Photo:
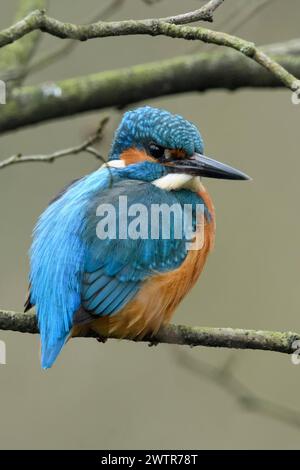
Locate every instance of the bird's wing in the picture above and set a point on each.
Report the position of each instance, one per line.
(71, 267)
(115, 268)
(57, 261)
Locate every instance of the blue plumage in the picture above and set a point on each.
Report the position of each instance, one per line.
(113, 263)
(72, 267)
(57, 263)
(147, 123)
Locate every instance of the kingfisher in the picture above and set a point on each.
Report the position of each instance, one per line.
(127, 287)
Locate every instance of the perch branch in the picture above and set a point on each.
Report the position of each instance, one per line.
(84, 147)
(121, 87)
(182, 335)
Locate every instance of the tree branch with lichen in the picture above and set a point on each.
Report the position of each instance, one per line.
(198, 72)
(173, 26)
(38, 20)
(276, 341)
(125, 86)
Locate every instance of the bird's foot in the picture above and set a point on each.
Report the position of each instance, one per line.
(101, 339)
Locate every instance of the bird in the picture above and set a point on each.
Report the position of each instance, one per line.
(128, 287)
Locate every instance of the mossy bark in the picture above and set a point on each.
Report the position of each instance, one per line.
(182, 335)
(121, 87)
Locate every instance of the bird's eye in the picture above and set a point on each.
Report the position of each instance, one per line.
(156, 151)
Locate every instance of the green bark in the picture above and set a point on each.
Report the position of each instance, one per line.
(232, 338)
(198, 72)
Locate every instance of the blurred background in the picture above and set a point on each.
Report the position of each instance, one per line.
(122, 395)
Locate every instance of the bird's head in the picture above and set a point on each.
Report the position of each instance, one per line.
(150, 135)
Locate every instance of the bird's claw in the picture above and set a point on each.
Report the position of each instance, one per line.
(101, 339)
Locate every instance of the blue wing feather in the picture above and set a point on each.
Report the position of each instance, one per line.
(71, 266)
(115, 268)
(57, 262)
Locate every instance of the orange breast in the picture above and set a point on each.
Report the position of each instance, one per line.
(156, 301)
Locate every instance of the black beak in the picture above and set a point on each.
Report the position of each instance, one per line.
(199, 165)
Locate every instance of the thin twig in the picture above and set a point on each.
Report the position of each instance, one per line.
(84, 147)
(245, 47)
(38, 20)
(246, 17)
(246, 398)
(95, 152)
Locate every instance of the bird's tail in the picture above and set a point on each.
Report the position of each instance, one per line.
(50, 350)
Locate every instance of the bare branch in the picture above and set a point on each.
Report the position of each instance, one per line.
(247, 15)
(204, 13)
(245, 47)
(170, 26)
(84, 147)
(181, 334)
(38, 20)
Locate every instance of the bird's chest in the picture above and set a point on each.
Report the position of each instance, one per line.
(156, 301)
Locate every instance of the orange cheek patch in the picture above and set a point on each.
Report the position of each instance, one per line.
(134, 155)
(177, 153)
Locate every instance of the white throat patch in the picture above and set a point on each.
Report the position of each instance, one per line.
(170, 182)
(114, 164)
(174, 181)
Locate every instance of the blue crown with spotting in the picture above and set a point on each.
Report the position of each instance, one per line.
(147, 124)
